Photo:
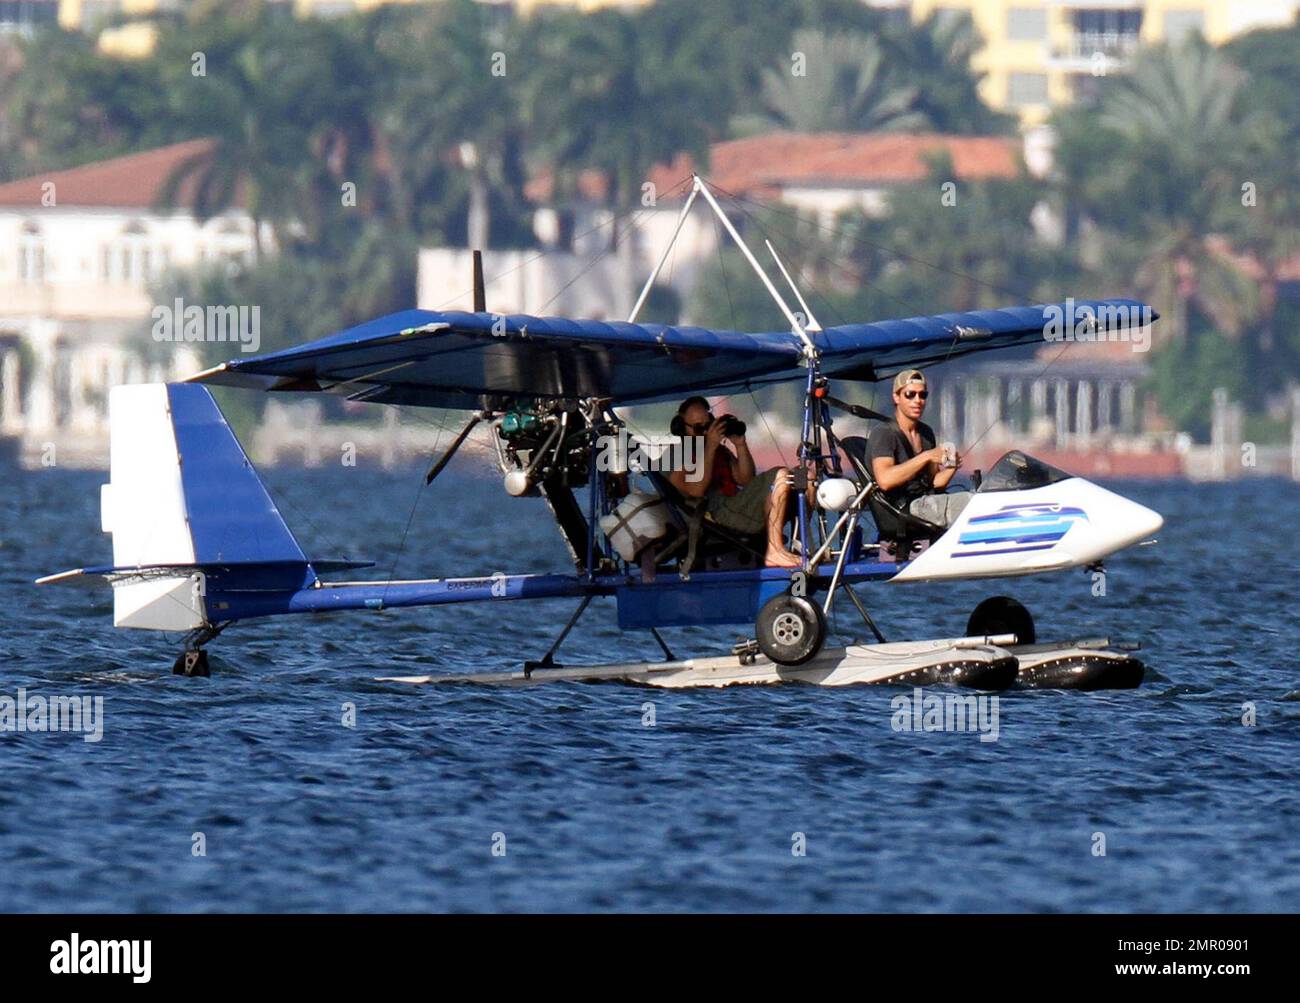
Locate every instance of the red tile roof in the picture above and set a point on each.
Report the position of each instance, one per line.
(1288, 270)
(131, 182)
(763, 166)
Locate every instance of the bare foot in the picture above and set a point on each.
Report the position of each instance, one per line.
(781, 558)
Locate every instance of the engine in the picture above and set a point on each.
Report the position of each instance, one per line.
(542, 441)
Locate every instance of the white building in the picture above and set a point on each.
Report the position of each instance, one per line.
(80, 252)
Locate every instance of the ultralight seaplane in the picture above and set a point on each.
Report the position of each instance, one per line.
(198, 543)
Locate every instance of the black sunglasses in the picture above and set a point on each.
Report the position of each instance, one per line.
(923, 394)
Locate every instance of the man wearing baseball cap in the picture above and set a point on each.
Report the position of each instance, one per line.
(912, 471)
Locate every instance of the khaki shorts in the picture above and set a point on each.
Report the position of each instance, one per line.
(746, 510)
(940, 509)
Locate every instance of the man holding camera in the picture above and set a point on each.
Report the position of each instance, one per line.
(738, 498)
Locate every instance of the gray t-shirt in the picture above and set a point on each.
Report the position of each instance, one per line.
(889, 440)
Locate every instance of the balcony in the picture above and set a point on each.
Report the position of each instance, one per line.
(1078, 54)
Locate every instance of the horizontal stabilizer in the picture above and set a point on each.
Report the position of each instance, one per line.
(247, 571)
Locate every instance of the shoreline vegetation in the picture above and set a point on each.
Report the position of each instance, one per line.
(1178, 183)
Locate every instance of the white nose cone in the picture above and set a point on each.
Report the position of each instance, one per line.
(1146, 522)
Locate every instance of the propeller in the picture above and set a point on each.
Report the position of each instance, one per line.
(480, 293)
(436, 469)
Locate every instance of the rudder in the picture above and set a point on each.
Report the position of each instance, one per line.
(182, 494)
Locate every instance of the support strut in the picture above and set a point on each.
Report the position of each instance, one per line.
(548, 660)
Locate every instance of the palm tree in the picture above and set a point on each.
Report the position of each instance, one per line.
(1267, 228)
(447, 121)
(253, 101)
(936, 56)
(1154, 168)
(62, 103)
(604, 94)
(846, 87)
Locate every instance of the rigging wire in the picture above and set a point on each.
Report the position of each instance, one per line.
(1037, 376)
(825, 258)
(845, 271)
(401, 547)
(626, 234)
(726, 285)
(1018, 294)
(763, 418)
(460, 297)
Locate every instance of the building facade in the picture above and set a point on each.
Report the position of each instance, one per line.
(82, 253)
(1041, 53)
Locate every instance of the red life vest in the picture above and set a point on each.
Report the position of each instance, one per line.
(723, 480)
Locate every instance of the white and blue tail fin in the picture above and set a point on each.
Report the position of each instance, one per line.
(184, 503)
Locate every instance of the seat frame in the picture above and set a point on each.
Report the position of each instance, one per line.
(690, 517)
(893, 524)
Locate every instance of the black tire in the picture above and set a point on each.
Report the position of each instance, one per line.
(1002, 615)
(791, 629)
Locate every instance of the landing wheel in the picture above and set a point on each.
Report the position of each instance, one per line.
(791, 629)
(192, 662)
(1002, 615)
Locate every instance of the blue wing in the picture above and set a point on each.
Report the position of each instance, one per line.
(450, 359)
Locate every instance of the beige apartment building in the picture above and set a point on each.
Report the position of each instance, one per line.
(1040, 53)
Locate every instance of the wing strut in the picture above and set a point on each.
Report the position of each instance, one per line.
(809, 349)
(798, 325)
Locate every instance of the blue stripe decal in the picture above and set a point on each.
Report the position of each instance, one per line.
(1008, 550)
(1026, 535)
(232, 518)
(1032, 519)
(1032, 513)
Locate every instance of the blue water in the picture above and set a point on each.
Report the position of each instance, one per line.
(600, 812)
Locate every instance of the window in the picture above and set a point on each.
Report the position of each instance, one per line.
(1113, 33)
(1108, 22)
(1026, 24)
(1179, 23)
(31, 256)
(25, 16)
(131, 259)
(1026, 89)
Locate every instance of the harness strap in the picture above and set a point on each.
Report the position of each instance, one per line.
(693, 536)
(623, 521)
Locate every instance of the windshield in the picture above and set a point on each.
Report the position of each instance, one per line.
(1016, 472)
